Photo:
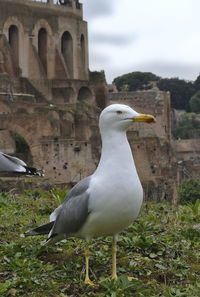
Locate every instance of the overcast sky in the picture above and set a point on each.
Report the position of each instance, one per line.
(159, 36)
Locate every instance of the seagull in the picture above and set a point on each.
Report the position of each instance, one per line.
(10, 164)
(109, 200)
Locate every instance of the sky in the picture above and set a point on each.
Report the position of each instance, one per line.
(158, 36)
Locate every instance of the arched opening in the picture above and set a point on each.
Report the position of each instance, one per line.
(83, 51)
(13, 38)
(63, 95)
(84, 94)
(14, 144)
(42, 47)
(22, 149)
(67, 51)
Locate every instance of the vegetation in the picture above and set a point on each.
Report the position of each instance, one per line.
(188, 127)
(197, 83)
(189, 191)
(161, 251)
(181, 90)
(195, 102)
(185, 95)
(134, 81)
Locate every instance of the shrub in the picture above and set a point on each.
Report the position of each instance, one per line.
(195, 102)
(188, 127)
(189, 191)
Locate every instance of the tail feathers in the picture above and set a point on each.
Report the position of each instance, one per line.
(33, 171)
(27, 171)
(41, 230)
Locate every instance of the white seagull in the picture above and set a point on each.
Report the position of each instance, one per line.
(10, 164)
(110, 199)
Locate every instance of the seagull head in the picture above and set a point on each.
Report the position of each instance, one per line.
(120, 117)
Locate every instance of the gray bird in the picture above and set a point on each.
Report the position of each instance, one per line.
(10, 164)
(110, 199)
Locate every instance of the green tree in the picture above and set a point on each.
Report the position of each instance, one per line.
(180, 90)
(188, 127)
(189, 191)
(134, 80)
(195, 102)
(197, 83)
(124, 88)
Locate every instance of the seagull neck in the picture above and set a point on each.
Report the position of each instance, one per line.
(115, 147)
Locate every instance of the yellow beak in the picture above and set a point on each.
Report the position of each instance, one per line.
(147, 118)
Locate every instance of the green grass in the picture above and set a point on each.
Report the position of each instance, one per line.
(161, 250)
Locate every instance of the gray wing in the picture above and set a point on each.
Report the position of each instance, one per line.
(74, 210)
(8, 163)
(55, 213)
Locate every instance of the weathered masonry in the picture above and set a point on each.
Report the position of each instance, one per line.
(48, 96)
(48, 44)
(152, 144)
(50, 101)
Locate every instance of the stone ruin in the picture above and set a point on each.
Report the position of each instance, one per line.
(47, 93)
(50, 99)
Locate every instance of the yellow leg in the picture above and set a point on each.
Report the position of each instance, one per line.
(114, 262)
(87, 279)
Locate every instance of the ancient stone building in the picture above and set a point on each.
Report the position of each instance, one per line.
(51, 101)
(187, 152)
(48, 96)
(151, 144)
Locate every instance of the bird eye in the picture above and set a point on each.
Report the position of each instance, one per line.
(119, 112)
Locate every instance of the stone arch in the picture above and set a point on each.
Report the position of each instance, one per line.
(42, 24)
(14, 32)
(42, 47)
(67, 51)
(20, 133)
(84, 94)
(23, 150)
(12, 21)
(19, 130)
(13, 39)
(14, 124)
